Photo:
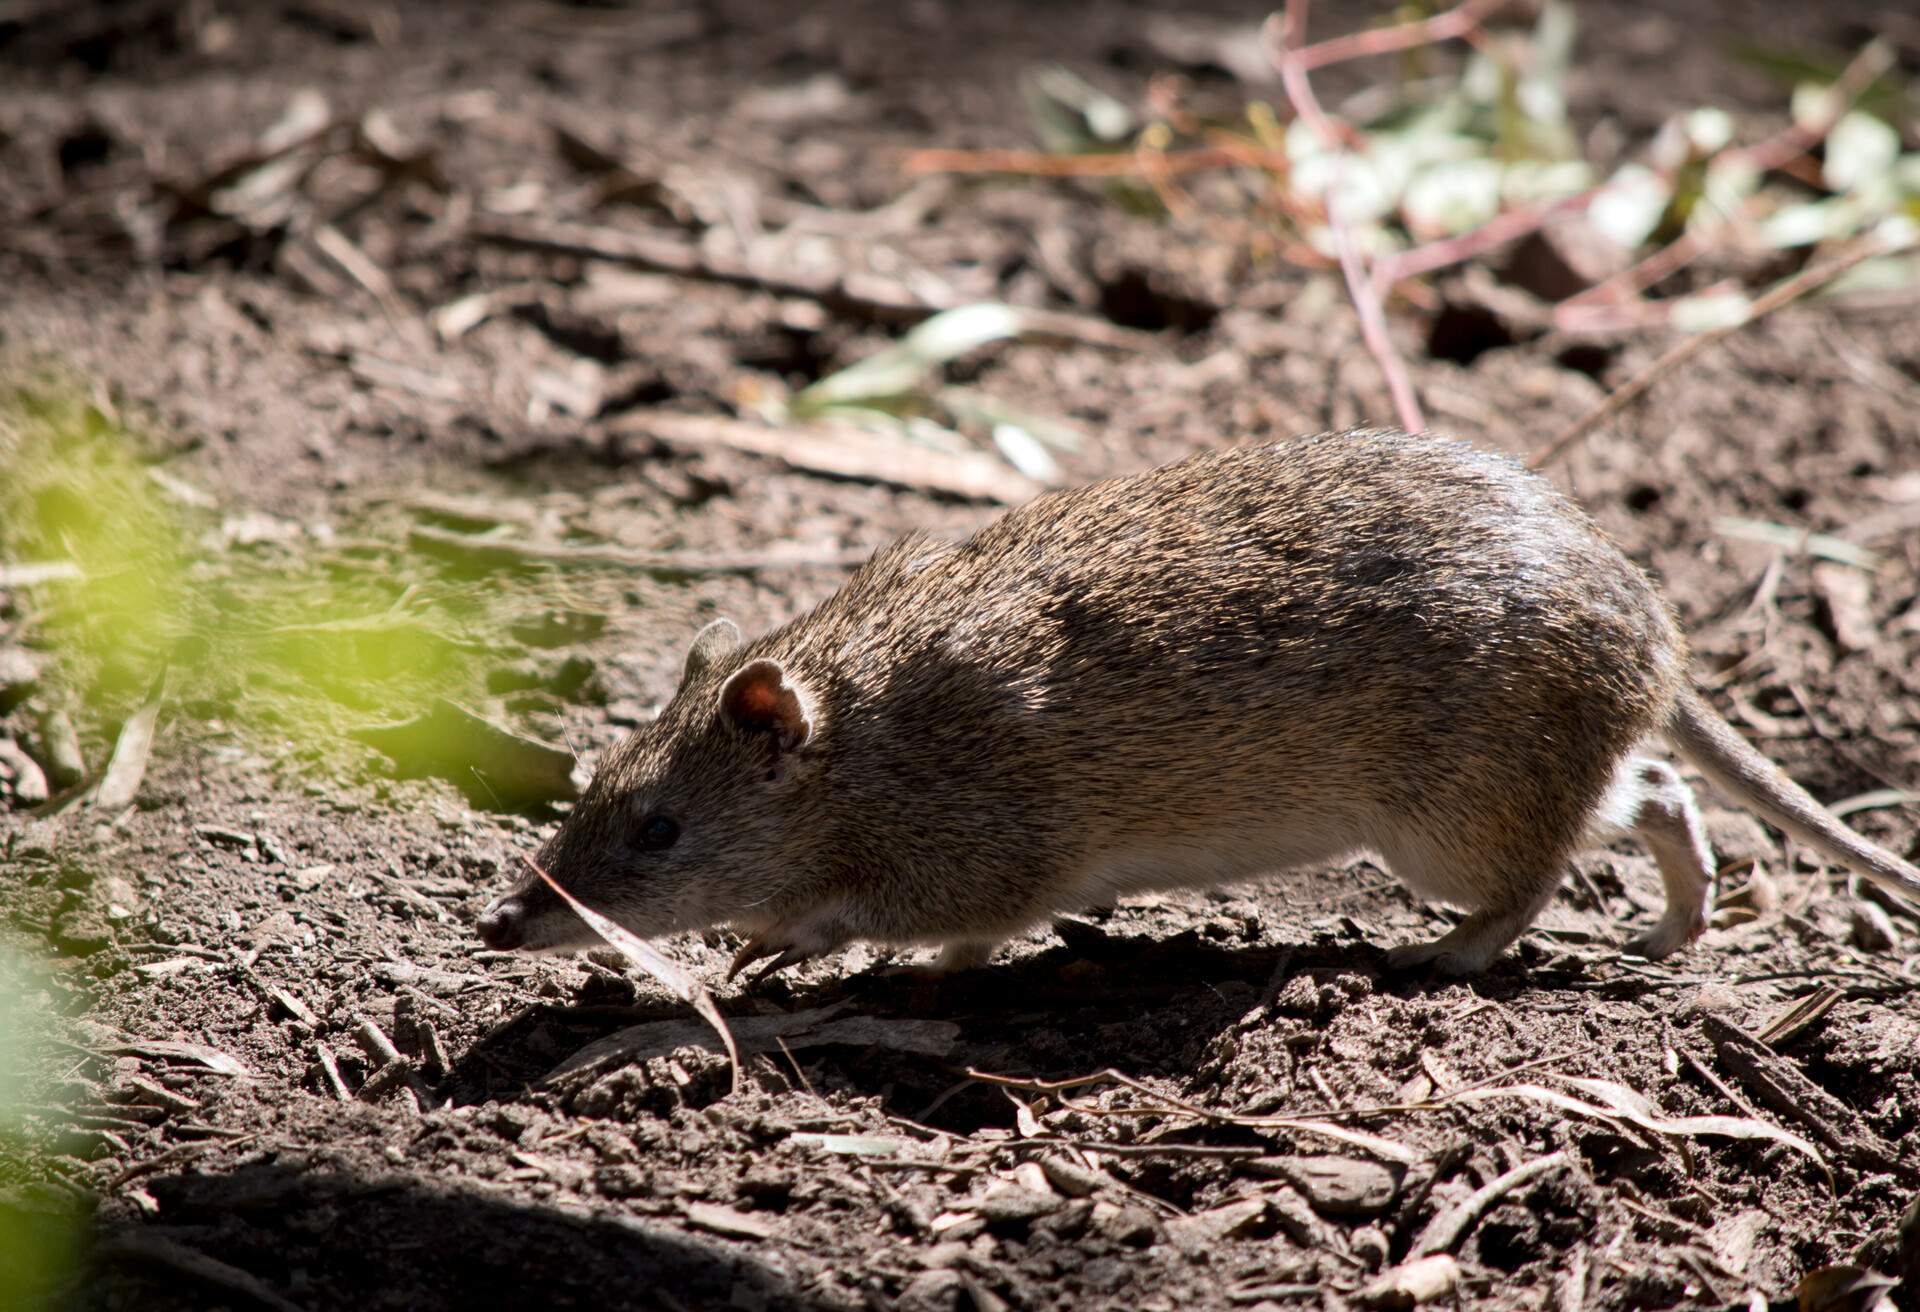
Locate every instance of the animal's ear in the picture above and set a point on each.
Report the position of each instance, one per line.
(711, 644)
(759, 699)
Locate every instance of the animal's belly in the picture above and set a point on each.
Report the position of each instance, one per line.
(1149, 864)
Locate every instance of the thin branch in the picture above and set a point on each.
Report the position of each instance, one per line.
(1491, 235)
(1456, 22)
(1861, 72)
(1048, 164)
(1361, 288)
(1808, 279)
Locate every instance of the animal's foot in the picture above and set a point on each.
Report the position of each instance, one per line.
(758, 949)
(1435, 957)
(1667, 937)
(958, 956)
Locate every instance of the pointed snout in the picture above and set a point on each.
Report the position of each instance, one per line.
(503, 925)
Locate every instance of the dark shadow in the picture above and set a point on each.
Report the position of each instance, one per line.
(334, 1239)
(1070, 1010)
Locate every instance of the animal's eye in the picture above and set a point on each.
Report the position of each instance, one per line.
(657, 831)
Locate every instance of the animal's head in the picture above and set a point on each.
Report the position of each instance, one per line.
(701, 817)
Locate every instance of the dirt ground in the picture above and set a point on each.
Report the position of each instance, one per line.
(210, 1086)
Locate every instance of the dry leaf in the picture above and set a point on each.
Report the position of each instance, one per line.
(655, 963)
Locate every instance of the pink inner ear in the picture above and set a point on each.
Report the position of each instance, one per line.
(758, 704)
(758, 698)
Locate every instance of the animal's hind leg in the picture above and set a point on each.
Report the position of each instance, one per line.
(1650, 800)
(1469, 947)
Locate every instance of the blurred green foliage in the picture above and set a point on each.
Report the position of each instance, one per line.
(41, 1226)
(291, 639)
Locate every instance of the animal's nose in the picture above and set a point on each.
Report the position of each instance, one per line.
(503, 926)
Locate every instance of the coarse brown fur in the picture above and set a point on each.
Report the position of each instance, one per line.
(1256, 659)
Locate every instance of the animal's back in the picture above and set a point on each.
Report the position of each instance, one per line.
(1254, 658)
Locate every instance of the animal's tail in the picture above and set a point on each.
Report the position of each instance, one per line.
(1732, 763)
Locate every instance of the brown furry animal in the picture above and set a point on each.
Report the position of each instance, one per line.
(1252, 660)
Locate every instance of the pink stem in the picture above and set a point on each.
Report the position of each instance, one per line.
(1360, 285)
(1455, 22)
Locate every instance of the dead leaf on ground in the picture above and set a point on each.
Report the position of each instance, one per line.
(494, 766)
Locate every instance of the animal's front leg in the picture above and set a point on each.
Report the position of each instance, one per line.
(790, 943)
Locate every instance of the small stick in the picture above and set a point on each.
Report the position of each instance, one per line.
(331, 1070)
(1808, 279)
(1362, 289)
(1459, 21)
(372, 1038)
(1046, 164)
(1451, 1226)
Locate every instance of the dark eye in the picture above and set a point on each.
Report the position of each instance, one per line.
(657, 831)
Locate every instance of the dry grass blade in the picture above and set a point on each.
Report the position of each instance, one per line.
(654, 962)
(1619, 1103)
(1789, 1025)
(128, 765)
(1798, 541)
(1874, 801)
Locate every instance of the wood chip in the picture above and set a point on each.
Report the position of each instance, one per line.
(728, 1221)
(1779, 1084)
(1417, 1282)
(193, 1054)
(22, 774)
(60, 745)
(1336, 1186)
(330, 1072)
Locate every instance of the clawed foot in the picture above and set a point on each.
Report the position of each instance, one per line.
(1666, 938)
(1434, 957)
(757, 948)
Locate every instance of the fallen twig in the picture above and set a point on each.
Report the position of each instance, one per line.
(1285, 38)
(1780, 1085)
(1447, 1229)
(330, 1072)
(1125, 164)
(1459, 21)
(685, 259)
(1808, 279)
